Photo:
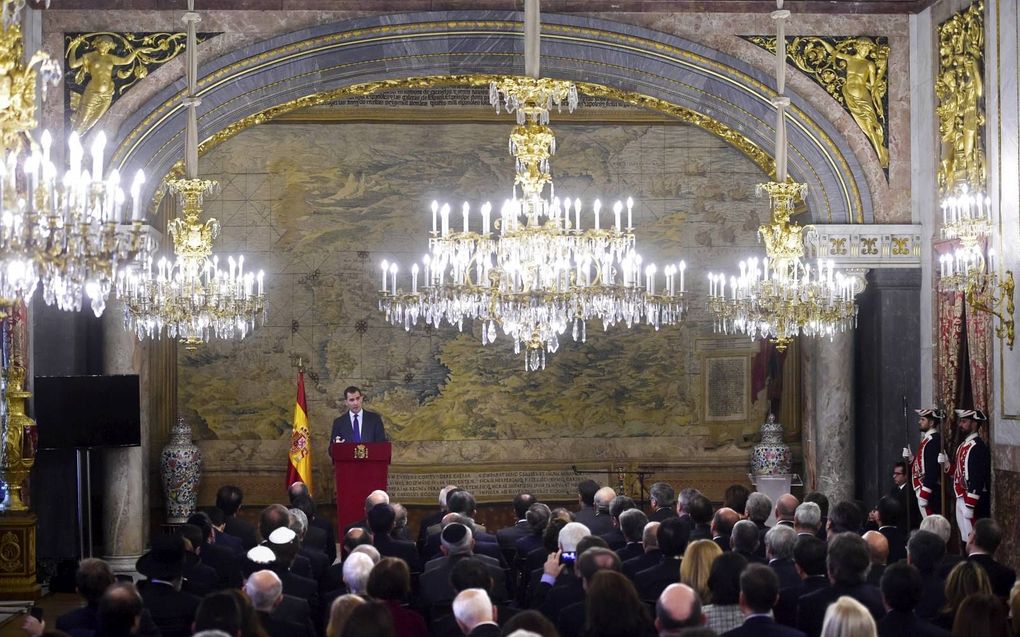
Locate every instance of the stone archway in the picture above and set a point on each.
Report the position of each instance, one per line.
(643, 67)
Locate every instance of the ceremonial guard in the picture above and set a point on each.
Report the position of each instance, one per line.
(924, 471)
(971, 472)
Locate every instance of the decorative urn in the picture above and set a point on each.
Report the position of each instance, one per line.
(771, 456)
(181, 468)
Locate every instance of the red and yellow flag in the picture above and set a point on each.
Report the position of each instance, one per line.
(299, 466)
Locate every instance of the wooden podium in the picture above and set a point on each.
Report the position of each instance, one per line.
(359, 469)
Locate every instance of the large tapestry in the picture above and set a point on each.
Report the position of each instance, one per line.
(320, 205)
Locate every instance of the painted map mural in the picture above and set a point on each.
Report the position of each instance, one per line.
(320, 205)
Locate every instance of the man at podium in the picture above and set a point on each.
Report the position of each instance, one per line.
(357, 425)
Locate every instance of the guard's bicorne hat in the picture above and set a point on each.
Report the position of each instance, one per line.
(934, 413)
(973, 414)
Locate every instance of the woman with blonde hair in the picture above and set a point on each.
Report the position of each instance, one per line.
(965, 578)
(340, 611)
(696, 567)
(848, 618)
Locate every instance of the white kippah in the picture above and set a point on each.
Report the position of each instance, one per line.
(282, 535)
(262, 555)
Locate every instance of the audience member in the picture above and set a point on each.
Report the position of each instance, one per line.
(614, 537)
(807, 519)
(759, 507)
(602, 523)
(228, 500)
(390, 583)
(560, 574)
(663, 501)
(683, 507)
(586, 499)
(759, 589)
(672, 538)
(537, 516)
(700, 509)
(571, 620)
(381, 519)
(847, 565)
(780, 541)
(965, 578)
(530, 622)
(735, 497)
(374, 498)
(224, 560)
(845, 517)
(696, 566)
(171, 609)
(925, 551)
(120, 610)
(475, 614)
(981, 615)
(878, 552)
(265, 590)
(890, 513)
(722, 526)
(744, 540)
(651, 556)
(507, 537)
(724, 612)
(371, 619)
(823, 508)
(340, 611)
(677, 609)
(981, 546)
(632, 525)
(901, 592)
(614, 608)
(809, 556)
(356, 571)
(940, 526)
(786, 507)
(847, 617)
(218, 611)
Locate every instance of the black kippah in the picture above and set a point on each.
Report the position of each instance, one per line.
(454, 533)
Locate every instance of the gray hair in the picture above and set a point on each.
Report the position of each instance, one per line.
(368, 550)
(808, 514)
(472, 607)
(759, 507)
(571, 534)
(400, 511)
(744, 536)
(938, 525)
(649, 537)
(298, 522)
(356, 570)
(632, 524)
(263, 588)
(663, 494)
(603, 497)
(443, 493)
(780, 541)
(686, 495)
(461, 546)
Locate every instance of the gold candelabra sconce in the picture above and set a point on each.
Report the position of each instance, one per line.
(998, 302)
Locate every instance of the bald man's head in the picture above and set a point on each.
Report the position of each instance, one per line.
(786, 507)
(878, 548)
(649, 539)
(677, 608)
(723, 521)
(603, 497)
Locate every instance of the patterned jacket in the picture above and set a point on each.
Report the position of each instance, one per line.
(972, 471)
(924, 472)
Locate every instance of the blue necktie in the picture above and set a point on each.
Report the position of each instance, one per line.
(357, 431)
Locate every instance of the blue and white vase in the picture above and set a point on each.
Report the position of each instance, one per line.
(772, 456)
(180, 465)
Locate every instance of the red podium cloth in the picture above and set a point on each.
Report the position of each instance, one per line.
(359, 469)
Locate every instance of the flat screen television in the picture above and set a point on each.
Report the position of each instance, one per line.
(80, 412)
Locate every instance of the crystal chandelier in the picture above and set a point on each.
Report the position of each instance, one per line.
(534, 269)
(192, 297)
(966, 218)
(782, 295)
(67, 232)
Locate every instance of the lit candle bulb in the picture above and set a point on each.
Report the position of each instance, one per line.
(682, 268)
(598, 207)
(486, 211)
(414, 279)
(435, 211)
(393, 272)
(630, 218)
(577, 214)
(466, 208)
(385, 269)
(617, 209)
(136, 195)
(260, 278)
(98, 145)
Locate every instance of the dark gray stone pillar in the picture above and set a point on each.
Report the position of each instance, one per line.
(887, 371)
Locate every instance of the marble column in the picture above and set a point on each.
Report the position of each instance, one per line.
(828, 383)
(126, 473)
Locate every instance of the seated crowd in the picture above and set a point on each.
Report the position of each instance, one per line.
(605, 570)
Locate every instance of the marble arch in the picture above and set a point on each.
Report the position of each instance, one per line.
(260, 81)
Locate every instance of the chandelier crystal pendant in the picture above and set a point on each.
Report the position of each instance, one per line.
(542, 264)
(67, 232)
(782, 295)
(192, 297)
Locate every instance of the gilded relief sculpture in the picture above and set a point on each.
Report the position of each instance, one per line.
(960, 91)
(853, 71)
(103, 66)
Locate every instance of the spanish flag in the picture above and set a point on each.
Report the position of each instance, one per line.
(299, 466)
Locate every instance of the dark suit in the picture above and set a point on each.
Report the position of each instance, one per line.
(661, 514)
(585, 515)
(786, 608)
(317, 559)
(551, 601)
(753, 558)
(330, 539)
(85, 620)
(1002, 577)
(302, 588)
(635, 565)
(507, 538)
(172, 611)
(903, 624)
(652, 581)
(600, 524)
(615, 539)
(242, 530)
(370, 423)
(700, 532)
(897, 539)
(811, 609)
(786, 571)
(762, 530)
(630, 550)
(435, 586)
(527, 544)
(276, 627)
(485, 630)
(225, 562)
(933, 596)
(723, 541)
(199, 579)
(911, 517)
(571, 621)
(388, 547)
(762, 626)
(297, 611)
(228, 541)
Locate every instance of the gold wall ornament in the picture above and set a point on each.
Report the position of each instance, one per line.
(19, 437)
(17, 87)
(103, 66)
(959, 88)
(981, 295)
(852, 69)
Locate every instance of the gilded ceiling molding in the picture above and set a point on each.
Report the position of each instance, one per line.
(646, 68)
(100, 67)
(851, 69)
(959, 89)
